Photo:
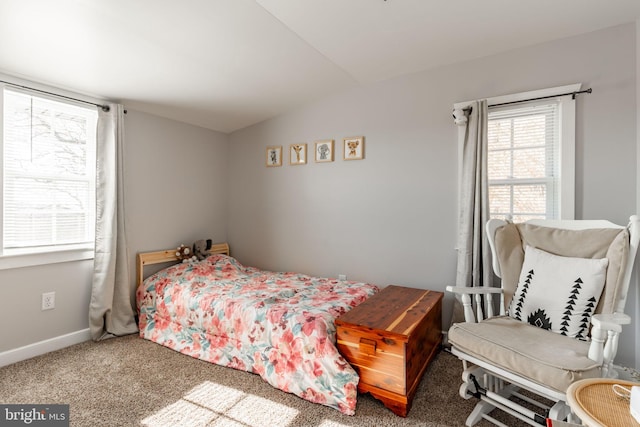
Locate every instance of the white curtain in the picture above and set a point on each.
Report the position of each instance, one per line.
(111, 312)
(474, 262)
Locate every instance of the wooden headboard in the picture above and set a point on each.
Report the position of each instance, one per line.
(169, 255)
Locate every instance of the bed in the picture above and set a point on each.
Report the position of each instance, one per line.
(277, 325)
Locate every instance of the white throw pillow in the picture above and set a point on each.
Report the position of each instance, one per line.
(558, 293)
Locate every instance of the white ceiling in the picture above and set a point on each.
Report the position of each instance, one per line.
(227, 64)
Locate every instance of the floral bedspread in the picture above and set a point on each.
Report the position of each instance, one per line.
(277, 325)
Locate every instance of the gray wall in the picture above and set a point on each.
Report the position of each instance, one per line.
(21, 320)
(177, 183)
(176, 189)
(391, 218)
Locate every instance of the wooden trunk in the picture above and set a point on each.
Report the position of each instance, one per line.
(389, 340)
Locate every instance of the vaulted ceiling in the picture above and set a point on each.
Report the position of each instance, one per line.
(227, 64)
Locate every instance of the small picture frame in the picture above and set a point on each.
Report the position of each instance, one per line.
(274, 156)
(298, 154)
(353, 148)
(324, 151)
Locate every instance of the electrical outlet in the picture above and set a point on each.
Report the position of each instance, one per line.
(342, 277)
(48, 301)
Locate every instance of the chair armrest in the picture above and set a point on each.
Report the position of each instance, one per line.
(604, 338)
(610, 322)
(479, 291)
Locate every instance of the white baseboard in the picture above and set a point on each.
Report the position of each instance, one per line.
(36, 349)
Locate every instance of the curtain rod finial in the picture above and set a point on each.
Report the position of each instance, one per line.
(460, 116)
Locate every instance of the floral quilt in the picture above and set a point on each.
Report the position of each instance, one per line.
(277, 325)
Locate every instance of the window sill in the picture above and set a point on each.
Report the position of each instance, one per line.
(17, 260)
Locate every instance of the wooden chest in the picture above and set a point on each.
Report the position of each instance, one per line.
(389, 340)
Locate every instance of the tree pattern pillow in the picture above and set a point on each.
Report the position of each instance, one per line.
(558, 293)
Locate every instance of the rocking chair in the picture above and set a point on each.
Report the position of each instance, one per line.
(564, 287)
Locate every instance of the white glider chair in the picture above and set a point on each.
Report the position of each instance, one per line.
(561, 311)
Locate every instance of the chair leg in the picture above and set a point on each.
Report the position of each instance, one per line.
(468, 389)
(560, 411)
(490, 401)
(491, 396)
(482, 408)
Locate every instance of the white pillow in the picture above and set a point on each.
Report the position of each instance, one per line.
(558, 293)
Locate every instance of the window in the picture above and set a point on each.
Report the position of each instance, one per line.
(522, 171)
(48, 174)
(531, 159)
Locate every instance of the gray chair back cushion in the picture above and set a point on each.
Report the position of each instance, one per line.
(511, 239)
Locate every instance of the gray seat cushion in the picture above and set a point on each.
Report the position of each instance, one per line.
(542, 356)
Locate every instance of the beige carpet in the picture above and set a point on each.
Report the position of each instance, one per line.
(129, 381)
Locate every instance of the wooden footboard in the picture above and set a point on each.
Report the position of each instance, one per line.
(166, 256)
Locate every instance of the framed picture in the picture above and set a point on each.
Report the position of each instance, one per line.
(353, 148)
(324, 151)
(298, 154)
(274, 156)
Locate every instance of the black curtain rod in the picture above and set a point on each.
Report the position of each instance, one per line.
(104, 108)
(573, 96)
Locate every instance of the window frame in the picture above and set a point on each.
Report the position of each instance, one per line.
(27, 257)
(567, 131)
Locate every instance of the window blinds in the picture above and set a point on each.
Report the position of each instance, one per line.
(48, 172)
(523, 158)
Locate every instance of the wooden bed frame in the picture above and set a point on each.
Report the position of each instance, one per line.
(166, 256)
